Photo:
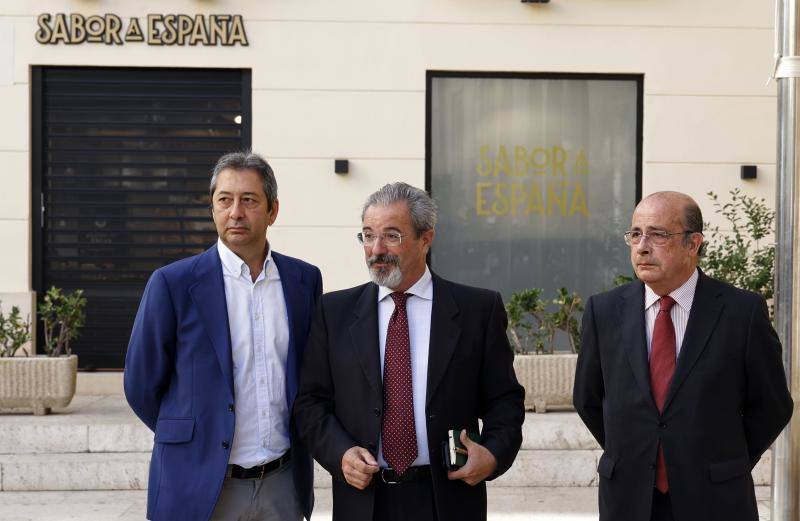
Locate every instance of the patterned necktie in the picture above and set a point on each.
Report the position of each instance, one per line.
(398, 433)
(662, 367)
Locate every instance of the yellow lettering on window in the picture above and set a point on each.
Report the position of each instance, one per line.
(534, 200)
(500, 206)
(480, 200)
(578, 203)
(501, 162)
(556, 196)
(484, 167)
(581, 164)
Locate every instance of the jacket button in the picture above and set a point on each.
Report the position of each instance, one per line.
(226, 445)
(662, 425)
(652, 466)
(431, 416)
(377, 411)
(231, 408)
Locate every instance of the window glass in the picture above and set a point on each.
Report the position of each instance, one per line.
(535, 179)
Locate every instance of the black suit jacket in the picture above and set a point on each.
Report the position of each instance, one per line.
(727, 402)
(470, 376)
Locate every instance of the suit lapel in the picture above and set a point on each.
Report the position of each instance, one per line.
(291, 283)
(631, 316)
(208, 295)
(445, 332)
(364, 334)
(706, 308)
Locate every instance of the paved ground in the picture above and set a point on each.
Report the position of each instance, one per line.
(505, 504)
(108, 409)
(90, 420)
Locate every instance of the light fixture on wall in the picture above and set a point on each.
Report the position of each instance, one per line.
(341, 166)
(748, 171)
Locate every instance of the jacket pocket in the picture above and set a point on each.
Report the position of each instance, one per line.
(174, 430)
(730, 469)
(606, 466)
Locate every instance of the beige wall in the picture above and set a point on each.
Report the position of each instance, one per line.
(346, 79)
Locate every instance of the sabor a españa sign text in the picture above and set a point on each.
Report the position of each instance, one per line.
(155, 29)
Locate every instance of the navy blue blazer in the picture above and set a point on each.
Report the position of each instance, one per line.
(179, 380)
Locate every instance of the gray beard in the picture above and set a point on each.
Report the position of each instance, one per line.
(390, 278)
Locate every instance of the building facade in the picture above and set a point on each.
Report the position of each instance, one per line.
(111, 127)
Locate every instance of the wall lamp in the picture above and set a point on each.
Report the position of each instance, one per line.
(748, 172)
(341, 166)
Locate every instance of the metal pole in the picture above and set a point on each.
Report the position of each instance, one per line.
(786, 452)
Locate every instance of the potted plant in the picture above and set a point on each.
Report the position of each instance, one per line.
(14, 333)
(548, 375)
(46, 381)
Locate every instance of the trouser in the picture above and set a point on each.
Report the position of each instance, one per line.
(408, 501)
(272, 498)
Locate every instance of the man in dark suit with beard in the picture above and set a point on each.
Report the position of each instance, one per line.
(393, 364)
(679, 379)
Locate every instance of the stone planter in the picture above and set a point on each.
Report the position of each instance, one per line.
(548, 380)
(37, 382)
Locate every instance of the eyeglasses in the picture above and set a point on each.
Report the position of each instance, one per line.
(634, 237)
(388, 238)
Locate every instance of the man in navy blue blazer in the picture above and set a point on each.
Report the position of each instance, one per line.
(213, 363)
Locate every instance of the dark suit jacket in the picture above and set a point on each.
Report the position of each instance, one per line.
(470, 376)
(727, 402)
(179, 380)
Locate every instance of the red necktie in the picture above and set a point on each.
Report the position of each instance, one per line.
(662, 366)
(398, 434)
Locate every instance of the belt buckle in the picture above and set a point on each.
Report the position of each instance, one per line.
(383, 478)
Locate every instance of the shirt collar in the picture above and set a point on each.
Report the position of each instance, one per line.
(423, 288)
(683, 296)
(233, 265)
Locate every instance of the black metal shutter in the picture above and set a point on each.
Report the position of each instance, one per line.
(121, 164)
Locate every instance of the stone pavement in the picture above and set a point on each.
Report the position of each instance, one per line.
(505, 504)
(98, 444)
(89, 462)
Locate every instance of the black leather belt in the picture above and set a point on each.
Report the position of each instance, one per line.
(258, 472)
(390, 477)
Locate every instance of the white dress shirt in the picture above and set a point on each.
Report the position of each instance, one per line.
(418, 308)
(260, 343)
(683, 297)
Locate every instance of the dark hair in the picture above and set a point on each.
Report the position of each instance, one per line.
(420, 205)
(247, 160)
(693, 222)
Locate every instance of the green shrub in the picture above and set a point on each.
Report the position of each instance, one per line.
(532, 328)
(742, 256)
(563, 319)
(526, 315)
(14, 332)
(63, 316)
(621, 280)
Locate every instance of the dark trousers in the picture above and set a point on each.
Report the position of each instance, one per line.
(662, 507)
(412, 501)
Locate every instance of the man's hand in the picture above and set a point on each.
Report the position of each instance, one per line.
(480, 463)
(358, 466)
